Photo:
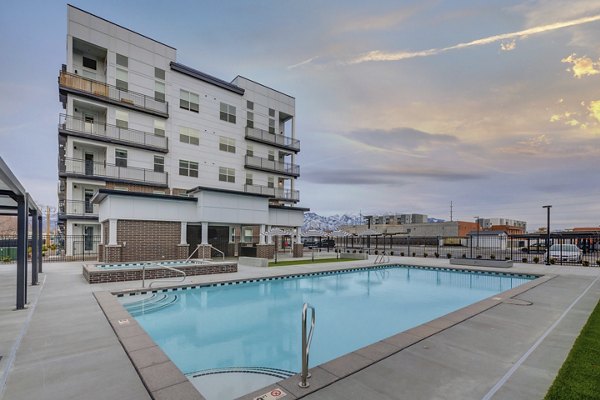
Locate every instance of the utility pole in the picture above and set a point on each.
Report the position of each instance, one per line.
(450, 211)
(548, 235)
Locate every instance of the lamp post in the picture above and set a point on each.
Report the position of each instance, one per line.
(477, 222)
(548, 235)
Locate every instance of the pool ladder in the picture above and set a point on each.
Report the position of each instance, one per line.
(306, 341)
(160, 280)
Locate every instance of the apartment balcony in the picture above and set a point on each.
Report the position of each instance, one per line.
(77, 84)
(75, 126)
(73, 167)
(262, 136)
(77, 209)
(263, 164)
(274, 193)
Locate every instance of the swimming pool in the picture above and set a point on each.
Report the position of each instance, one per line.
(217, 333)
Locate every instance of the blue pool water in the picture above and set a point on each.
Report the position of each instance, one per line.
(257, 325)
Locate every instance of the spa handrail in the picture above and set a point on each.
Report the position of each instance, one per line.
(160, 280)
(382, 258)
(306, 341)
(207, 245)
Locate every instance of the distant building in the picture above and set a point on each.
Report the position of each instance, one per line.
(423, 230)
(509, 229)
(397, 219)
(487, 223)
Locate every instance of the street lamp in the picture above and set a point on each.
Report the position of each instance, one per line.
(477, 222)
(548, 235)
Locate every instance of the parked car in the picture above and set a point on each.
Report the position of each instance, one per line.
(565, 253)
(536, 248)
(329, 243)
(310, 243)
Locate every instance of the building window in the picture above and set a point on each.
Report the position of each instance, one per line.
(159, 91)
(189, 100)
(227, 174)
(249, 119)
(249, 178)
(271, 113)
(89, 63)
(121, 158)
(271, 182)
(122, 79)
(159, 73)
(189, 135)
(159, 128)
(227, 144)
(271, 155)
(250, 150)
(249, 105)
(188, 168)
(159, 164)
(122, 60)
(122, 119)
(271, 126)
(227, 113)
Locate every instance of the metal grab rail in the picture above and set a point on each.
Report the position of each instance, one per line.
(206, 245)
(382, 258)
(160, 280)
(306, 344)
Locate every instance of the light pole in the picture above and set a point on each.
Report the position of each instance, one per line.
(548, 235)
(477, 222)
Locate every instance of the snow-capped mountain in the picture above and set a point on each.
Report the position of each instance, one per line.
(315, 221)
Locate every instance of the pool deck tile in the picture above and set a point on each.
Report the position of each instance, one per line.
(402, 340)
(423, 331)
(180, 391)
(148, 356)
(265, 390)
(347, 364)
(137, 342)
(160, 376)
(378, 350)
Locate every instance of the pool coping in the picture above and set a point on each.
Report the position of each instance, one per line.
(164, 380)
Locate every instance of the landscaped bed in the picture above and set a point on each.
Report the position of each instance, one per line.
(579, 377)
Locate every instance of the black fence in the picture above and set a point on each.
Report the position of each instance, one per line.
(58, 248)
(568, 248)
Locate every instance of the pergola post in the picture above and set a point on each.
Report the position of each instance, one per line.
(40, 255)
(35, 244)
(21, 252)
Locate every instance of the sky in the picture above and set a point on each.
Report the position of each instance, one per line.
(401, 106)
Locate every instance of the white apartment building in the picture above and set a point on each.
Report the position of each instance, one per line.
(146, 140)
(487, 223)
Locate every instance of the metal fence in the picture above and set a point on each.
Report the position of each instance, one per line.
(566, 248)
(58, 248)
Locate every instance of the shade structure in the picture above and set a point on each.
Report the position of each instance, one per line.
(339, 234)
(369, 232)
(314, 233)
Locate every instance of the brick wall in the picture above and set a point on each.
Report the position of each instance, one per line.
(105, 232)
(148, 240)
(265, 251)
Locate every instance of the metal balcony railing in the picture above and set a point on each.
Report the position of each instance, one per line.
(101, 89)
(77, 207)
(275, 193)
(107, 131)
(272, 165)
(103, 170)
(273, 139)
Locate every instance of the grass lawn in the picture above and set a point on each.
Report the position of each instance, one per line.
(317, 261)
(579, 377)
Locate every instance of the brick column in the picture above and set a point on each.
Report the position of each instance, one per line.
(101, 252)
(113, 253)
(183, 251)
(298, 250)
(265, 251)
(204, 251)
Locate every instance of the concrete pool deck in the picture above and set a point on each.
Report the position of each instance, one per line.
(69, 350)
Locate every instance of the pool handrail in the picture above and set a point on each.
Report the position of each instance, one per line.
(160, 280)
(306, 344)
(382, 258)
(207, 245)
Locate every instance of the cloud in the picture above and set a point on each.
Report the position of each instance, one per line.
(377, 175)
(582, 66)
(508, 46)
(399, 138)
(378, 55)
(594, 109)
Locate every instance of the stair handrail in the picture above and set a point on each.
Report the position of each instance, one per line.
(149, 264)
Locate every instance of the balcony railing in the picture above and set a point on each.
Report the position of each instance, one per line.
(126, 98)
(275, 193)
(270, 138)
(112, 132)
(77, 207)
(109, 171)
(272, 165)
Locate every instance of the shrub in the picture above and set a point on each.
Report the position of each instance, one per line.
(52, 247)
(436, 254)
(44, 248)
(391, 253)
(353, 251)
(414, 254)
(598, 262)
(492, 256)
(553, 261)
(401, 254)
(524, 260)
(585, 263)
(479, 256)
(448, 255)
(376, 252)
(43, 254)
(507, 258)
(425, 255)
(464, 255)
(536, 260)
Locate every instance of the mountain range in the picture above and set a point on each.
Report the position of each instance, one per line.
(334, 222)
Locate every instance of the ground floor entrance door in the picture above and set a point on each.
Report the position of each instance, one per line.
(194, 237)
